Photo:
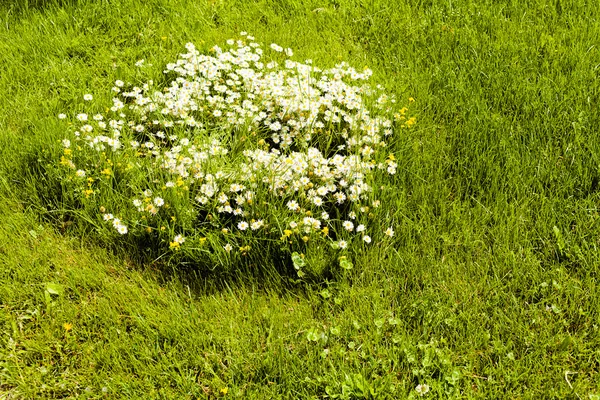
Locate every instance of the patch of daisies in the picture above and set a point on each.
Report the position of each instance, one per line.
(238, 150)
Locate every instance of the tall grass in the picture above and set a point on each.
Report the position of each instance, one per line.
(488, 288)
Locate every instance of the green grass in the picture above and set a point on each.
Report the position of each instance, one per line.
(489, 289)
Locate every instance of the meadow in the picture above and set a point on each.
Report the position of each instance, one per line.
(486, 288)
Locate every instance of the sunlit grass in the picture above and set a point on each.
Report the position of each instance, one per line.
(488, 287)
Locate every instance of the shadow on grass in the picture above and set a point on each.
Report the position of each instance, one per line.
(267, 268)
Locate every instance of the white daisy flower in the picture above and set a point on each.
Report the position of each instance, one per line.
(293, 205)
(179, 239)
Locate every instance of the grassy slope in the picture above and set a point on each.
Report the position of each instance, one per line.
(490, 299)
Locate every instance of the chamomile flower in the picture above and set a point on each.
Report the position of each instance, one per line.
(279, 172)
(202, 199)
(257, 224)
(293, 205)
(276, 47)
(422, 389)
(179, 239)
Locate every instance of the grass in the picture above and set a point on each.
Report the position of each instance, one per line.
(489, 290)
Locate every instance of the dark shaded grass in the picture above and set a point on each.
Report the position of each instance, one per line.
(494, 205)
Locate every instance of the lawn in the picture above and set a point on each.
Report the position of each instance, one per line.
(487, 289)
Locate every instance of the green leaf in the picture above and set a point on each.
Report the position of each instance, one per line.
(454, 378)
(54, 288)
(312, 335)
(298, 260)
(559, 238)
(346, 264)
